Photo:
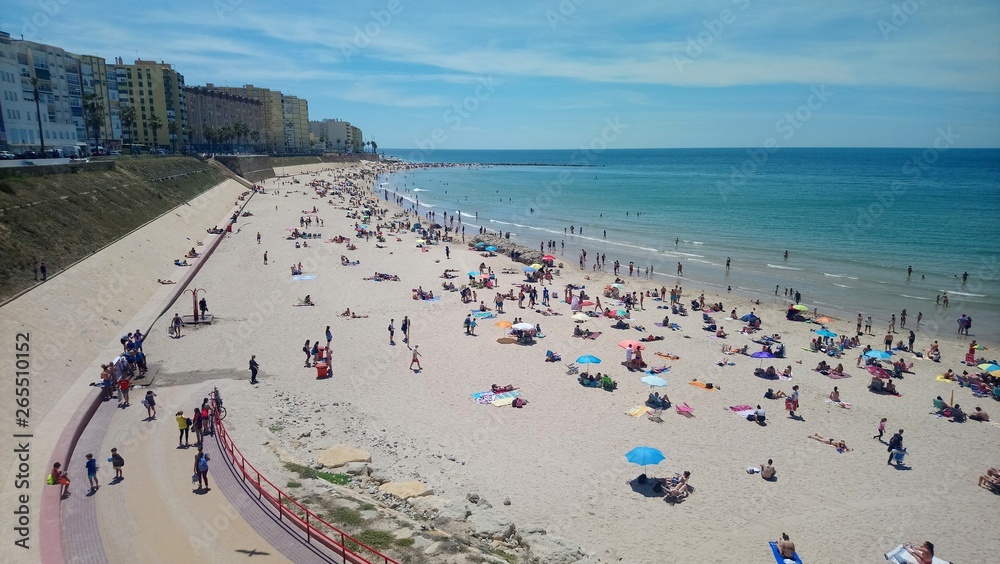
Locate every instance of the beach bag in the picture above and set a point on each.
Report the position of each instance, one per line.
(50, 480)
(170, 329)
(188, 421)
(145, 403)
(709, 386)
(203, 463)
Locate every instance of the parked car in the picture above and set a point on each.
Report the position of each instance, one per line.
(6, 156)
(115, 153)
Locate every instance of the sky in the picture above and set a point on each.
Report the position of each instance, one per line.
(564, 74)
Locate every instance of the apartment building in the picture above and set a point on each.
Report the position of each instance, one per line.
(156, 91)
(210, 110)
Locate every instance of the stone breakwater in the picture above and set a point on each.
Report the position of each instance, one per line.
(504, 247)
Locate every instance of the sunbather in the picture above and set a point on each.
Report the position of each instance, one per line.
(502, 389)
(767, 471)
(721, 333)
(680, 490)
(840, 445)
(991, 479)
(307, 300)
(165, 281)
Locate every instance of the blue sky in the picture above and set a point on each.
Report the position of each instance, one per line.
(554, 73)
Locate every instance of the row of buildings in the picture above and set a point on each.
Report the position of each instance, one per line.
(62, 98)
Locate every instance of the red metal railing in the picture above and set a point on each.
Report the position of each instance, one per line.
(288, 508)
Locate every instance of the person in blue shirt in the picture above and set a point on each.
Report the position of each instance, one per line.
(92, 472)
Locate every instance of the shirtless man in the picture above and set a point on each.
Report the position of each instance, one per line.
(767, 471)
(786, 547)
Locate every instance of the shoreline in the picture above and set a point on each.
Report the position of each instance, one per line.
(836, 292)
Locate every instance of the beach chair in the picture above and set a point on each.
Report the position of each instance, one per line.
(572, 368)
(654, 416)
(685, 410)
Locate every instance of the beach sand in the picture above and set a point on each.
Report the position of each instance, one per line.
(560, 460)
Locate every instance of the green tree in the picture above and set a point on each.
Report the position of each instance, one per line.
(255, 137)
(338, 144)
(155, 124)
(172, 128)
(127, 117)
(93, 115)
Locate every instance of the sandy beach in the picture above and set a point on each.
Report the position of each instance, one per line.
(561, 459)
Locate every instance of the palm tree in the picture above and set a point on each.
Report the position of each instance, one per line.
(173, 127)
(338, 144)
(374, 146)
(255, 137)
(93, 111)
(208, 132)
(38, 112)
(155, 124)
(127, 117)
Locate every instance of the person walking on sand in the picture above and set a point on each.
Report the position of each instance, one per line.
(306, 349)
(902, 319)
(329, 336)
(792, 401)
(895, 443)
(265, 258)
(888, 342)
(405, 328)
(392, 331)
(912, 339)
(881, 429)
(416, 359)
(258, 237)
(680, 269)
(254, 367)
(868, 325)
(176, 323)
(91, 467)
(201, 468)
(892, 323)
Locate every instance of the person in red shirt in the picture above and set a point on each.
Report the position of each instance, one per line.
(123, 386)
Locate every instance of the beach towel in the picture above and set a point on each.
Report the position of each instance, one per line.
(941, 378)
(303, 277)
(434, 299)
(658, 324)
(668, 355)
(777, 555)
(593, 336)
(835, 376)
(742, 410)
(786, 378)
(703, 385)
(488, 397)
(900, 556)
(483, 314)
(842, 404)
(639, 411)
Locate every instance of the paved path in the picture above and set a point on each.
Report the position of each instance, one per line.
(155, 514)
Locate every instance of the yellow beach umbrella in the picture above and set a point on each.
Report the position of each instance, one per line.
(504, 324)
(536, 266)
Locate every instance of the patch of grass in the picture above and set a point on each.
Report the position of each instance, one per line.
(404, 542)
(366, 507)
(505, 555)
(304, 472)
(346, 516)
(376, 539)
(293, 484)
(276, 428)
(339, 479)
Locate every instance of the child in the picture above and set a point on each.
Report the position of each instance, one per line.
(118, 463)
(92, 473)
(59, 478)
(881, 429)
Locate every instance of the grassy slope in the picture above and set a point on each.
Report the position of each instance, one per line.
(80, 213)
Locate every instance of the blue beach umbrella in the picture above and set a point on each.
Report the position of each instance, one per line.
(655, 381)
(881, 355)
(826, 333)
(762, 355)
(588, 359)
(491, 249)
(480, 245)
(644, 456)
(473, 273)
(528, 269)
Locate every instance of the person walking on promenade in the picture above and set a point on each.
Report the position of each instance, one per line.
(117, 462)
(416, 359)
(124, 385)
(201, 468)
(175, 324)
(196, 420)
(150, 402)
(91, 466)
(254, 367)
(185, 429)
(45, 271)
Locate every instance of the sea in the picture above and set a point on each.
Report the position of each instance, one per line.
(853, 221)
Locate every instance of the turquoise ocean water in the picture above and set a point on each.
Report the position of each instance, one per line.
(852, 220)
